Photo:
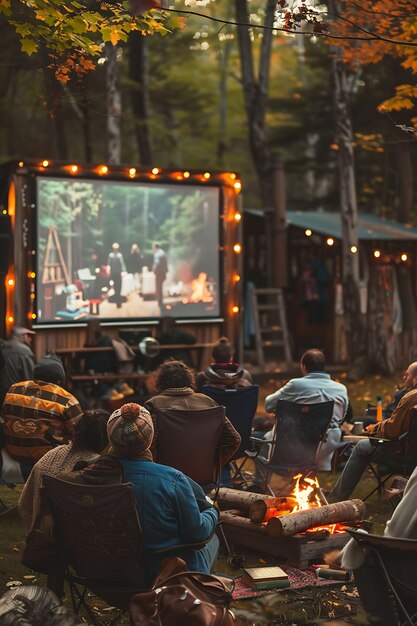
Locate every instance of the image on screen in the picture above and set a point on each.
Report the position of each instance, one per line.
(114, 250)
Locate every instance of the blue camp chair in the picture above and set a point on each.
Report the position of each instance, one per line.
(241, 404)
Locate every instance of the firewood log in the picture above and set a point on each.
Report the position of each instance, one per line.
(262, 510)
(293, 523)
(241, 522)
(236, 499)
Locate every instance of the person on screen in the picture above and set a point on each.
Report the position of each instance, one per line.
(135, 263)
(160, 269)
(117, 266)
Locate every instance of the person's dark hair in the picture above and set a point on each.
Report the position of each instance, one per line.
(90, 432)
(313, 361)
(173, 374)
(166, 325)
(222, 351)
(94, 332)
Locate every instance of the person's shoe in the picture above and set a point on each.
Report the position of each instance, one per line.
(126, 390)
(116, 395)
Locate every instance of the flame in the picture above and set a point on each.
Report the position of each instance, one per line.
(200, 290)
(305, 495)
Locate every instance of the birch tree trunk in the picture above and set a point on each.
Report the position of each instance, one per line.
(114, 106)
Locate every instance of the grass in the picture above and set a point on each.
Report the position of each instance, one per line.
(309, 606)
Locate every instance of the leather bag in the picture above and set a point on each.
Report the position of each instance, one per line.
(182, 598)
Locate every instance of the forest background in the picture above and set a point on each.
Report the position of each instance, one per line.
(183, 105)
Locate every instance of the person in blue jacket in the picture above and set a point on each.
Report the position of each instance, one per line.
(173, 510)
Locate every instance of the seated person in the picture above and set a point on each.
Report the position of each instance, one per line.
(89, 440)
(315, 386)
(173, 510)
(223, 372)
(175, 382)
(168, 333)
(372, 587)
(99, 362)
(409, 376)
(39, 414)
(391, 428)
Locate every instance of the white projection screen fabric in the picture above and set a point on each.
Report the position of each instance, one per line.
(126, 250)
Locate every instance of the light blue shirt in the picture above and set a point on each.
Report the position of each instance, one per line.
(311, 389)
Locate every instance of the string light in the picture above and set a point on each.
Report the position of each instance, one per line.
(233, 176)
(21, 164)
(132, 172)
(4, 211)
(155, 171)
(206, 175)
(31, 275)
(10, 282)
(235, 309)
(237, 278)
(45, 163)
(32, 296)
(103, 170)
(10, 319)
(237, 186)
(377, 254)
(353, 249)
(74, 169)
(404, 257)
(330, 241)
(308, 232)
(237, 248)
(186, 174)
(32, 316)
(238, 217)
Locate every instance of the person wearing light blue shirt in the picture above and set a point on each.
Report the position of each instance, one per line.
(313, 387)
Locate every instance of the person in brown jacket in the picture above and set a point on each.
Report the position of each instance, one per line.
(391, 428)
(175, 384)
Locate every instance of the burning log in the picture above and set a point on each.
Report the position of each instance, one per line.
(293, 523)
(236, 499)
(243, 523)
(263, 510)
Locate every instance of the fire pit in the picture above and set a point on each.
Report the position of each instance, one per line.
(298, 527)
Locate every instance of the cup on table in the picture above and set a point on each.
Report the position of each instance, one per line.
(358, 428)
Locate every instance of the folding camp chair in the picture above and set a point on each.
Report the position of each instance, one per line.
(190, 441)
(299, 434)
(396, 559)
(100, 543)
(399, 457)
(241, 404)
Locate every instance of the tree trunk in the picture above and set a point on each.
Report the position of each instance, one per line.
(138, 73)
(263, 510)
(237, 499)
(232, 519)
(255, 91)
(405, 174)
(293, 523)
(114, 106)
(54, 104)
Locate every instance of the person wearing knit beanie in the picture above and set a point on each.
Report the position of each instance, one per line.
(130, 431)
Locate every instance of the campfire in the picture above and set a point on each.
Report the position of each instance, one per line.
(201, 290)
(302, 518)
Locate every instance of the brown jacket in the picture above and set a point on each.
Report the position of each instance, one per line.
(399, 422)
(186, 399)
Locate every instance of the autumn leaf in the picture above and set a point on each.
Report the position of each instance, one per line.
(29, 46)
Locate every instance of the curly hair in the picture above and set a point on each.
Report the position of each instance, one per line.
(90, 432)
(173, 374)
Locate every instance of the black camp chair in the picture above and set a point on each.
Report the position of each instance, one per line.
(396, 560)
(299, 434)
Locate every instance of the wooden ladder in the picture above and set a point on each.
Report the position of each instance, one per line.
(271, 328)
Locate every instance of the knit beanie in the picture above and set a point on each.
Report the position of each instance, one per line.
(130, 430)
(49, 369)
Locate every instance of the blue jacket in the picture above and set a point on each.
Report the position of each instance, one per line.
(168, 511)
